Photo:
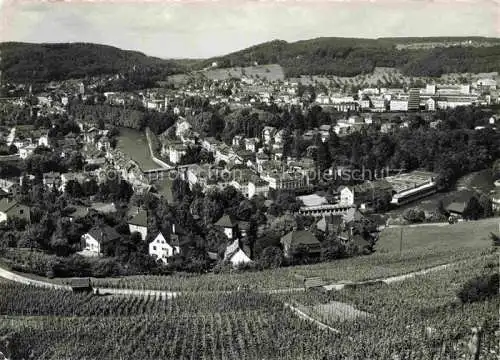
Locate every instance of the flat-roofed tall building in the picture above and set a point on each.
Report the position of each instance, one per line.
(414, 100)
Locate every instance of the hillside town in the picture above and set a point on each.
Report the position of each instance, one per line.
(249, 180)
(330, 196)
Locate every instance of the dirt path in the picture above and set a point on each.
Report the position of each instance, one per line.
(304, 316)
(419, 225)
(392, 279)
(9, 275)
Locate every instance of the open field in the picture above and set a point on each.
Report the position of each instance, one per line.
(467, 234)
(270, 72)
(134, 144)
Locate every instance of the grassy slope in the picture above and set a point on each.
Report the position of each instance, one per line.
(470, 234)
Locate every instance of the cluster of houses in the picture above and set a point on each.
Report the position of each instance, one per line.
(164, 247)
(246, 92)
(252, 165)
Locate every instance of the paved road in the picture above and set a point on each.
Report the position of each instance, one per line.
(419, 225)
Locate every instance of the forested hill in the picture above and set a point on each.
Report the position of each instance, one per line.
(25, 62)
(353, 56)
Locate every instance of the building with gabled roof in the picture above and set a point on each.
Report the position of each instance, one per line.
(353, 215)
(139, 223)
(161, 249)
(11, 208)
(237, 254)
(303, 239)
(98, 236)
(330, 223)
(229, 225)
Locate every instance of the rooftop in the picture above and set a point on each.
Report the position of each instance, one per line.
(313, 200)
(103, 233)
(227, 221)
(140, 219)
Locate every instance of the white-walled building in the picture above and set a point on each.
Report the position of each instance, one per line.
(346, 196)
(96, 237)
(26, 151)
(160, 249)
(398, 105)
(237, 254)
(430, 104)
(43, 141)
(176, 152)
(251, 144)
(257, 187)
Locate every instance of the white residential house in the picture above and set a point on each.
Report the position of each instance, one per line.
(43, 141)
(346, 196)
(160, 249)
(268, 134)
(139, 223)
(104, 143)
(237, 140)
(96, 237)
(237, 254)
(278, 137)
(175, 152)
(182, 127)
(241, 185)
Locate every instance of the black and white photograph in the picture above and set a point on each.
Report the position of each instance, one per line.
(249, 180)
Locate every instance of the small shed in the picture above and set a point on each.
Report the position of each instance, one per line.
(81, 285)
(313, 282)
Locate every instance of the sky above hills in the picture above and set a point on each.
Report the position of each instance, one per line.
(195, 29)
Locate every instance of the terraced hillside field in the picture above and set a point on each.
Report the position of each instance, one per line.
(55, 324)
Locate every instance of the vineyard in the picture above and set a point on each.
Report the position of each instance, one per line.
(55, 324)
(378, 265)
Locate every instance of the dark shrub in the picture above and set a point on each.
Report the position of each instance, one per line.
(479, 289)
